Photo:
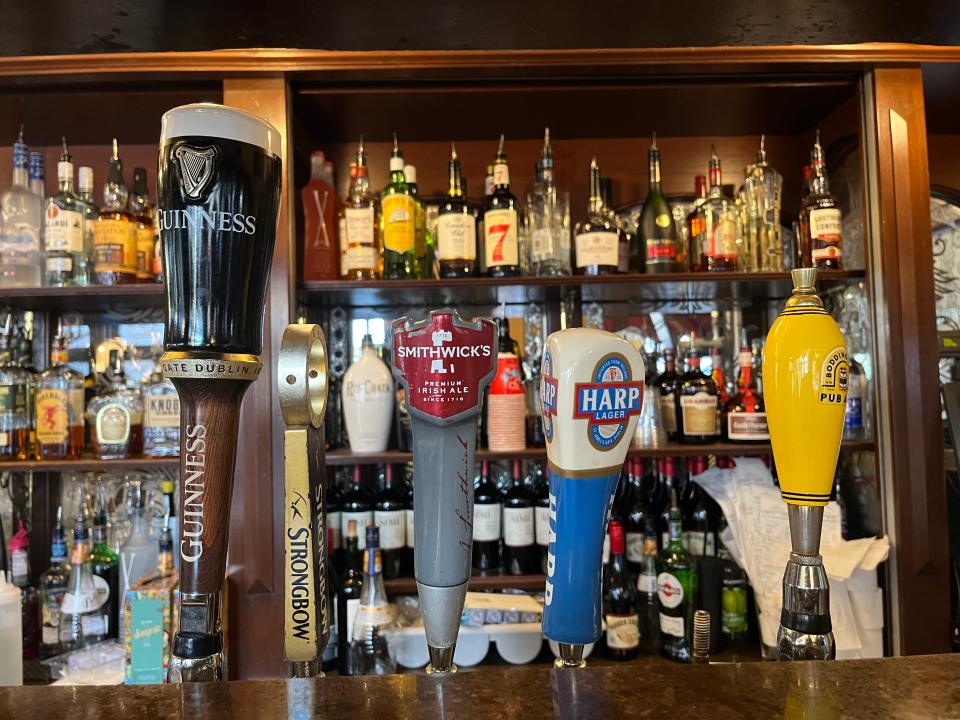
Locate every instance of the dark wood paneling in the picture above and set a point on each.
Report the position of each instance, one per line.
(943, 153)
(910, 432)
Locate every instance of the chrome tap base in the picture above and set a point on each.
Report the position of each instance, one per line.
(306, 669)
(441, 660)
(805, 630)
(793, 645)
(208, 668)
(571, 656)
(197, 654)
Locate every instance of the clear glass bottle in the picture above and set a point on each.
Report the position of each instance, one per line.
(161, 416)
(14, 399)
(143, 211)
(597, 240)
(84, 616)
(116, 418)
(53, 586)
(83, 271)
(398, 222)
(361, 256)
(456, 228)
(370, 650)
(657, 228)
(59, 407)
(548, 219)
(501, 223)
(115, 234)
(138, 556)
(63, 229)
(762, 188)
(37, 174)
(21, 245)
(821, 222)
(722, 222)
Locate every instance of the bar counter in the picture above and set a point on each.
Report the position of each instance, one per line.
(910, 687)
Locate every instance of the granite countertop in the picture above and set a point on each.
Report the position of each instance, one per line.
(913, 687)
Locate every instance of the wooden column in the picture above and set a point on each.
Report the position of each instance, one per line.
(254, 567)
(909, 428)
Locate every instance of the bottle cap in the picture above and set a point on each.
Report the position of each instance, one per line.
(396, 164)
(318, 155)
(64, 171)
(85, 178)
(616, 538)
(410, 174)
(166, 486)
(351, 528)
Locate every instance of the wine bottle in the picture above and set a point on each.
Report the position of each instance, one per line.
(357, 506)
(518, 526)
(348, 597)
(390, 516)
(657, 229)
(620, 602)
(487, 519)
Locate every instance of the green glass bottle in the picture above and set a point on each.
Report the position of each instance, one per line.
(426, 257)
(657, 230)
(105, 563)
(398, 222)
(677, 584)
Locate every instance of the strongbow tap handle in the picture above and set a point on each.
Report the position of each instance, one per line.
(591, 393)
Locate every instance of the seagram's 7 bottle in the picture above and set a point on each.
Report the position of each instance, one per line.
(501, 242)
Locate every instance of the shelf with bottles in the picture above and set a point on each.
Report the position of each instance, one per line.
(89, 464)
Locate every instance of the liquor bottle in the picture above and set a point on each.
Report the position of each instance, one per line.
(105, 564)
(487, 522)
(165, 550)
(37, 174)
(84, 618)
(321, 250)
(22, 351)
(53, 585)
(620, 602)
(426, 256)
(456, 228)
(696, 402)
(716, 374)
(697, 227)
(723, 222)
(700, 528)
(488, 188)
(506, 402)
(115, 234)
(542, 518)
(548, 216)
(501, 241)
(762, 190)
(821, 223)
(518, 526)
(733, 598)
(138, 556)
(356, 506)
(161, 416)
(657, 229)
(348, 597)
(21, 246)
(390, 517)
(59, 407)
(853, 415)
(83, 265)
(627, 234)
(116, 418)
(14, 399)
(143, 212)
(637, 523)
(369, 640)
(668, 383)
(398, 222)
(746, 412)
(361, 253)
(597, 240)
(677, 585)
(367, 400)
(29, 598)
(63, 228)
(647, 601)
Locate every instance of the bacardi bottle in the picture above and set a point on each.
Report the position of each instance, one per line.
(63, 229)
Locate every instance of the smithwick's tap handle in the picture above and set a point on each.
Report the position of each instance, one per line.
(302, 385)
(591, 395)
(805, 388)
(444, 363)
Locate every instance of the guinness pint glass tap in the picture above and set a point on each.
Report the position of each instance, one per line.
(219, 194)
(805, 387)
(444, 364)
(591, 393)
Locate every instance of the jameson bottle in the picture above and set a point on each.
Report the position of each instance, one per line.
(821, 223)
(657, 229)
(398, 222)
(501, 241)
(597, 239)
(677, 585)
(423, 239)
(456, 228)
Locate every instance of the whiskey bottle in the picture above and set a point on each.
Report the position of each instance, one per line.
(487, 520)
(14, 398)
(456, 228)
(361, 253)
(63, 228)
(518, 526)
(697, 227)
(821, 223)
(53, 586)
(116, 418)
(597, 240)
(677, 585)
(321, 250)
(143, 211)
(115, 234)
(667, 383)
(620, 602)
(696, 402)
(59, 407)
(161, 417)
(398, 222)
(501, 240)
(83, 270)
(722, 220)
(389, 516)
(746, 413)
(657, 228)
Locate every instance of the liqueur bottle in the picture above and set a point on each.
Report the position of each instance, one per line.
(14, 399)
(367, 400)
(361, 255)
(723, 222)
(668, 383)
(677, 585)
(116, 418)
(356, 506)
(506, 402)
(389, 516)
(697, 227)
(501, 241)
(348, 597)
(398, 222)
(518, 526)
(821, 223)
(597, 240)
(696, 402)
(620, 602)
(487, 521)
(369, 641)
(115, 234)
(321, 247)
(746, 412)
(21, 244)
(657, 228)
(83, 270)
(59, 407)
(53, 586)
(456, 228)
(143, 212)
(63, 229)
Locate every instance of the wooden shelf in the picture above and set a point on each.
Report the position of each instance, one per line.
(84, 299)
(345, 457)
(607, 288)
(89, 464)
(534, 583)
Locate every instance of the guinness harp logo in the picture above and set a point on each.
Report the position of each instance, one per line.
(197, 166)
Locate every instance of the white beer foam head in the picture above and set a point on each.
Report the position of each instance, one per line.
(220, 121)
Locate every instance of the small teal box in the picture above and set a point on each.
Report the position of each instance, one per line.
(148, 620)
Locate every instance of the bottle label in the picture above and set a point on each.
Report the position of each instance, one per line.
(393, 528)
(456, 237)
(94, 625)
(486, 522)
(699, 543)
(162, 411)
(500, 245)
(668, 412)
(747, 426)
(115, 246)
(399, 231)
(623, 632)
(699, 413)
(647, 583)
(501, 175)
(50, 616)
(734, 613)
(64, 229)
(362, 519)
(60, 264)
(409, 521)
(145, 242)
(541, 245)
(113, 425)
(13, 403)
(51, 416)
(853, 417)
(90, 598)
(661, 250)
(375, 615)
(825, 233)
(542, 520)
(671, 625)
(634, 542)
(19, 241)
(518, 528)
(723, 243)
(597, 248)
(358, 240)
(19, 568)
(669, 590)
